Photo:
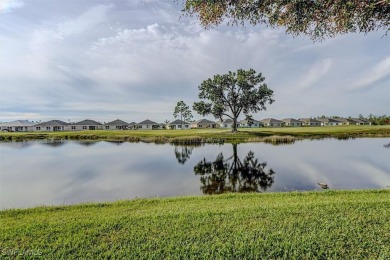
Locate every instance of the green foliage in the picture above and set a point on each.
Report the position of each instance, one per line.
(295, 225)
(233, 93)
(182, 111)
(318, 19)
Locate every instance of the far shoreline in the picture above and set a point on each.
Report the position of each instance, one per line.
(281, 135)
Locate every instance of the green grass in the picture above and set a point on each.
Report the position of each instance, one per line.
(208, 135)
(295, 225)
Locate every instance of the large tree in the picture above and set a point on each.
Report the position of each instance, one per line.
(183, 112)
(233, 93)
(316, 18)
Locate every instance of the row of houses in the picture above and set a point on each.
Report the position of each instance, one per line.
(58, 125)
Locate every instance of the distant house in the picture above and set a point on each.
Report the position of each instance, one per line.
(271, 122)
(85, 125)
(329, 122)
(148, 125)
(203, 123)
(227, 123)
(178, 124)
(292, 122)
(116, 125)
(133, 126)
(310, 122)
(344, 121)
(358, 121)
(16, 126)
(52, 125)
(255, 123)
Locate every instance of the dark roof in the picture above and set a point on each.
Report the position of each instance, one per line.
(147, 122)
(326, 120)
(52, 123)
(178, 122)
(117, 122)
(312, 120)
(270, 120)
(18, 123)
(340, 119)
(133, 123)
(204, 121)
(87, 122)
(291, 120)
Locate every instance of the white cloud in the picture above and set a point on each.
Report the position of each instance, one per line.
(8, 5)
(372, 75)
(315, 73)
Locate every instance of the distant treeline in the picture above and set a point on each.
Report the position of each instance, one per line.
(375, 120)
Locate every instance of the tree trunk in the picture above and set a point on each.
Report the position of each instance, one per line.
(234, 126)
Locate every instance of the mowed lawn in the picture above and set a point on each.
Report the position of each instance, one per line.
(244, 134)
(294, 225)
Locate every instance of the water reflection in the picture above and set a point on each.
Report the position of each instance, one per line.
(233, 174)
(183, 152)
(53, 143)
(387, 145)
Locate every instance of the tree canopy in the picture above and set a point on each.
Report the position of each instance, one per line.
(230, 94)
(183, 112)
(317, 18)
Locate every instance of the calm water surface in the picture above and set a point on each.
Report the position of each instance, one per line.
(67, 172)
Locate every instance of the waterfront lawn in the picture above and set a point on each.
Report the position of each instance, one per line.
(244, 134)
(294, 225)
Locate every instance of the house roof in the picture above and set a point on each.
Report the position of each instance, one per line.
(270, 120)
(291, 120)
(178, 122)
(147, 122)
(52, 123)
(87, 122)
(204, 121)
(117, 122)
(328, 120)
(17, 123)
(132, 123)
(340, 119)
(357, 120)
(310, 120)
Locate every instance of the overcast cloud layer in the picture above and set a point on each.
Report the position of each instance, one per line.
(134, 59)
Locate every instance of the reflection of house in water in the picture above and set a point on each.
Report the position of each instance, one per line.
(114, 142)
(233, 174)
(86, 142)
(387, 145)
(17, 144)
(53, 143)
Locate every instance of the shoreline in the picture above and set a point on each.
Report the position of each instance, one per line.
(201, 136)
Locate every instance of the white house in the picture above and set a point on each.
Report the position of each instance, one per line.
(255, 124)
(310, 121)
(179, 124)
(148, 125)
(227, 123)
(203, 123)
(16, 126)
(292, 122)
(52, 125)
(329, 122)
(271, 122)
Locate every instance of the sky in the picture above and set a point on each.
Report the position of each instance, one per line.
(135, 59)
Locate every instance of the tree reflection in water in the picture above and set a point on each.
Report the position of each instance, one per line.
(233, 175)
(183, 152)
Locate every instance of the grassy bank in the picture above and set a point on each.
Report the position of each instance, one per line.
(289, 134)
(306, 225)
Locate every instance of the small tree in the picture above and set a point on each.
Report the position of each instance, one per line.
(182, 111)
(233, 93)
(166, 122)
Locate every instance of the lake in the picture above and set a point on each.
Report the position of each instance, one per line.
(34, 173)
